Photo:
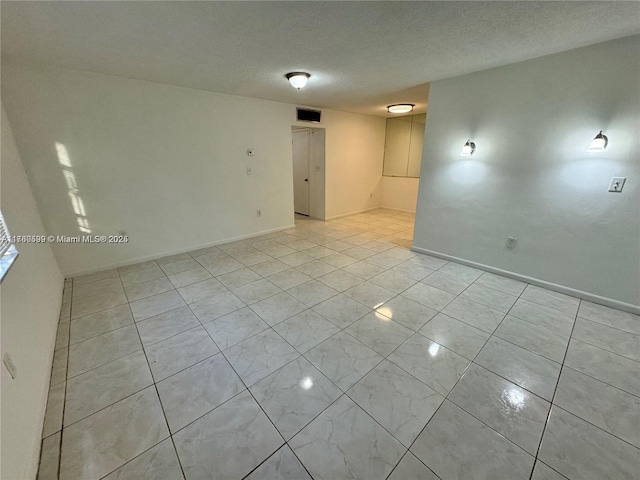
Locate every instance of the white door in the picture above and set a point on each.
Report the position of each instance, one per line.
(301, 171)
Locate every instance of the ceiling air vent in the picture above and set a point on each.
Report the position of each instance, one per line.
(305, 115)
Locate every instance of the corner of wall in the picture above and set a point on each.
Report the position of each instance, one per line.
(31, 299)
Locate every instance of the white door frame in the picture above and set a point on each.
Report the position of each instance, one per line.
(316, 173)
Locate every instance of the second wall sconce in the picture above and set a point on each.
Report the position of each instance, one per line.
(468, 149)
(598, 144)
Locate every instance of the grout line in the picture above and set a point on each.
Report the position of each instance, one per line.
(555, 391)
(132, 459)
(609, 326)
(596, 426)
(260, 406)
(599, 380)
(454, 386)
(155, 386)
(66, 384)
(607, 350)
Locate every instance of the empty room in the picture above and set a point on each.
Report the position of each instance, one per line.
(320, 240)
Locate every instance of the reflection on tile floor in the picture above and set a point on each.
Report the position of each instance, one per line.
(331, 351)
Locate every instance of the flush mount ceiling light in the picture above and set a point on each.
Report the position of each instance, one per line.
(468, 149)
(298, 79)
(598, 144)
(400, 108)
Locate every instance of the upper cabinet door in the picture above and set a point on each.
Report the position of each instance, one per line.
(415, 145)
(396, 147)
(403, 146)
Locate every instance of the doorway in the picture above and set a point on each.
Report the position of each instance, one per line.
(308, 152)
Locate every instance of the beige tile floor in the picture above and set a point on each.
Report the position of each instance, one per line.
(331, 351)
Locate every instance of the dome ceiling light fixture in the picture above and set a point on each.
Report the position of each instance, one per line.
(400, 108)
(298, 79)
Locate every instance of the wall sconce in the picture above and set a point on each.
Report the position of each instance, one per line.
(298, 79)
(400, 108)
(468, 149)
(598, 144)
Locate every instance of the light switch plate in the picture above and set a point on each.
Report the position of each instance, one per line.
(616, 184)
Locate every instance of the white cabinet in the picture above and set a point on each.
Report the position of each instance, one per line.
(403, 146)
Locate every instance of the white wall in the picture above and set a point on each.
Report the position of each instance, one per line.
(531, 177)
(353, 157)
(400, 193)
(30, 298)
(168, 164)
(165, 164)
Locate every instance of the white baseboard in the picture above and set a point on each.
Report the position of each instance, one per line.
(609, 302)
(397, 209)
(352, 213)
(132, 261)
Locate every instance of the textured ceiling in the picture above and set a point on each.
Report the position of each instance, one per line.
(361, 55)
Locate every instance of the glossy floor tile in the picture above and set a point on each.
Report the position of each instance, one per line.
(523, 367)
(514, 412)
(457, 445)
(157, 463)
(603, 405)
(104, 441)
(98, 388)
(50, 458)
(235, 327)
(430, 362)
(228, 442)
(260, 355)
(379, 333)
(331, 351)
(578, 449)
(345, 442)
(197, 390)
(396, 400)
(294, 395)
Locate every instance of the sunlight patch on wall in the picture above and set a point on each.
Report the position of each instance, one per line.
(72, 187)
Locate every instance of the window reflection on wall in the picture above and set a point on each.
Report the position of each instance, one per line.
(403, 146)
(72, 187)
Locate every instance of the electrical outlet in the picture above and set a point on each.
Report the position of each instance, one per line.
(249, 171)
(259, 213)
(11, 367)
(511, 242)
(616, 184)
